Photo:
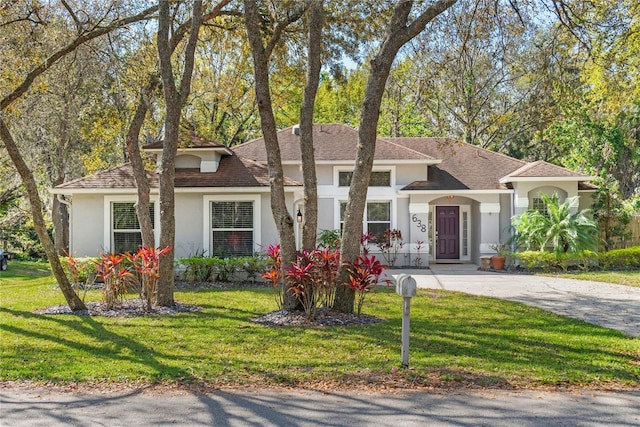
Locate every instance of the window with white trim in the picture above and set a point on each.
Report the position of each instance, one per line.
(377, 217)
(125, 228)
(232, 228)
(380, 178)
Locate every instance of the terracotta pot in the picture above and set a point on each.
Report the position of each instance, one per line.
(498, 262)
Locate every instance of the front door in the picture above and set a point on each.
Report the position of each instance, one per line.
(447, 232)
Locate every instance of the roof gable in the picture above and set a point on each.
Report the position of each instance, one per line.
(541, 168)
(331, 142)
(463, 166)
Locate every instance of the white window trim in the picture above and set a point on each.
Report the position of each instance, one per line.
(338, 169)
(206, 224)
(392, 207)
(108, 217)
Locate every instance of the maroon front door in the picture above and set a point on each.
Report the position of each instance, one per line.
(448, 232)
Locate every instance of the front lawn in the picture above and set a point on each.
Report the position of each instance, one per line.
(456, 340)
(627, 278)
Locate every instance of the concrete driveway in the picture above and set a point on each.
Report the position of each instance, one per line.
(604, 304)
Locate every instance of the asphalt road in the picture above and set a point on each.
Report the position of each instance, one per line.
(140, 408)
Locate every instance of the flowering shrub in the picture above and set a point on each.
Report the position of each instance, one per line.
(364, 274)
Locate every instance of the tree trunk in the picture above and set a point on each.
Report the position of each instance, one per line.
(139, 173)
(397, 34)
(174, 101)
(310, 229)
(281, 215)
(60, 219)
(74, 302)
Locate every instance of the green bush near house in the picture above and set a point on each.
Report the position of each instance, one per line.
(584, 260)
(215, 269)
(621, 258)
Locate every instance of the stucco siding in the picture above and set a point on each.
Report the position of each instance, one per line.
(189, 233)
(87, 217)
(406, 174)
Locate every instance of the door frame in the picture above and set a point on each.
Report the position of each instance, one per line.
(464, 214)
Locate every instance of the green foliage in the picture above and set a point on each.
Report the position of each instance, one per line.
(212, 269)
(628, 258)
(81, 272)
(329, 239)
(558, 228)
(621, 258)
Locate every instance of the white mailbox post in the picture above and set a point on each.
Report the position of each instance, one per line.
(407, 289)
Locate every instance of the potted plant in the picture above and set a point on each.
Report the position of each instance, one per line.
(498, 260)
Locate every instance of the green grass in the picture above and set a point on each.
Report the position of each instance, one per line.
(456, 340)
(627, 278)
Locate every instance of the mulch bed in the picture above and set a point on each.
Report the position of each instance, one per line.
(280, 318)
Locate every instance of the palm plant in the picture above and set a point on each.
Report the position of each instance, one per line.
(560, 227)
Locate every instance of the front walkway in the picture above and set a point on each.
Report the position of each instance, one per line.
(604, 304)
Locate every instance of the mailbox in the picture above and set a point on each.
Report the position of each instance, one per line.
(406, 286)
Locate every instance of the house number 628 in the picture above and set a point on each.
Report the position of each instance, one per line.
(419, 223)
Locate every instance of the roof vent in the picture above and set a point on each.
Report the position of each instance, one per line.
(295, 130)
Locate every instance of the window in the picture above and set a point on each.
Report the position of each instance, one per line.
(377, 217)
(538, 204)
(126, 234)
(377, 179)
(465, 234)
(232, 229)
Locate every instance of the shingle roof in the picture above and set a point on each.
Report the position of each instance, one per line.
(541, 168)
(188, 140)
(234, 171)
(332, 142)
(464, 166)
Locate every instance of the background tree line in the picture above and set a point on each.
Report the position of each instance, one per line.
(83, 85)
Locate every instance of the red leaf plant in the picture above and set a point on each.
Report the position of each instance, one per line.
(146, 261)
(274, 273)
(118, 280)
(300, 281)
(364, 274)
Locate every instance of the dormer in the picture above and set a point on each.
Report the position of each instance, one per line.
(194, 152)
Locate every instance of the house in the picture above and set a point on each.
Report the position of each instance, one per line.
(458, 199)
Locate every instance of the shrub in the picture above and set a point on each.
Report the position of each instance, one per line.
(364, 274)
(274, 273)
(621, 258)
(81, 273)
(253, 265)
(146, 261)
(198, 269)
(118, 280)
(548, 261)
(329, 239)
(390, 244)
(226, 268)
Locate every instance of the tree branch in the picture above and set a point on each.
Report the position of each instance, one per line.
(55, 57)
